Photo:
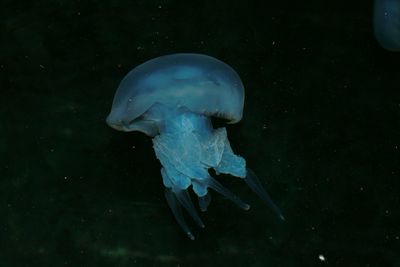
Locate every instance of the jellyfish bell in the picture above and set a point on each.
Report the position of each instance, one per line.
(171, 98)
(386, 21)
(202, 84)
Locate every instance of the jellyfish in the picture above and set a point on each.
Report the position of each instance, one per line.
(387, 24)
(171, 99)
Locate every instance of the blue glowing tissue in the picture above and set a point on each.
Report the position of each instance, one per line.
(171, 99)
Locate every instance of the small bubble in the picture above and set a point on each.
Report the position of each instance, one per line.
(321, 257)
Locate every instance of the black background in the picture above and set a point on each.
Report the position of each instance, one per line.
(320, 128)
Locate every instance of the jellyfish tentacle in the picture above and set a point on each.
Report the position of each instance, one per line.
(184, 199)
(217, 186)
(177, 211)
(204, 201)
(254, 183)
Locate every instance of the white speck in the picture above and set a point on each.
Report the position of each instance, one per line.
(159, 6)
(273, 42)
(321, 257)
(133, 147)
(41, 66)
(65, 177)
(361, 188)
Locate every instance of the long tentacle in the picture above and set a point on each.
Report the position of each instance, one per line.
(177, 211)
(254, 183)
(214, 184)
(204, 201)
(184, 198)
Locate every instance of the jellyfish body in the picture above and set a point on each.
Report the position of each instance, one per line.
(171, 99)
(387, 23)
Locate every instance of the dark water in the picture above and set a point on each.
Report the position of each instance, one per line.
(321, 128)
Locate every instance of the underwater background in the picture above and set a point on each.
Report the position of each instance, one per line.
(321, 128)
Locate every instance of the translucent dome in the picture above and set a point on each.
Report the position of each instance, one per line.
(200, 83)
